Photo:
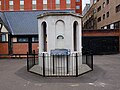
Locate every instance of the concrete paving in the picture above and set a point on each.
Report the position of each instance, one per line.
(105, 76)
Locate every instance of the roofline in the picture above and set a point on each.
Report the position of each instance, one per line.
(58, 14)
(36, 10)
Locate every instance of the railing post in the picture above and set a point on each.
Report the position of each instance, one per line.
(43, 65)
(86, 59)
(76, 65)
(27, 62)
(34, 56)
(53, 66)
(91, 61)
(67, 64)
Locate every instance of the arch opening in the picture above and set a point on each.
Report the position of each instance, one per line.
(75, 36)
(44, 36)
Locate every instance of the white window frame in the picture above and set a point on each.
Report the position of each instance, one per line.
(77, 7)
(68, 1)
(57, 1)
(33, 2)
(44, 1)
(21, 2)
(11, 2)
(0, 3)
(77, 0)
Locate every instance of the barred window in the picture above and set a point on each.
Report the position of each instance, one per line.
(118, 8)
(99, 8)
(22, 39)
(99, 19)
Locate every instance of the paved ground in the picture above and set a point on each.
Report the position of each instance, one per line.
(106, 76)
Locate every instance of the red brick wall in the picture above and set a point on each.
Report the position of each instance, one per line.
(28, 4)
(35, 47)
(73, 4)
(3, 48)
(101, 33)
(16, 5)
(20, 48)
(62, 4)
(39, 4)
(79, 4)
(53, 4)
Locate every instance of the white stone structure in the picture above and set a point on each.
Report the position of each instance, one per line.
(60, 30)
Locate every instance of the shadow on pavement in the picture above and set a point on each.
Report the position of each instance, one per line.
(89, 77)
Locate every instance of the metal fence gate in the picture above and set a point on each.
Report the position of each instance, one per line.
(61, 65)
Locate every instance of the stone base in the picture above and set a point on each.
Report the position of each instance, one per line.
(83, 68)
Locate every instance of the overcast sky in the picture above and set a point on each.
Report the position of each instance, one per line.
(84, 3)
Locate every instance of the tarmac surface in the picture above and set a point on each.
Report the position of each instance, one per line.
(105, 76)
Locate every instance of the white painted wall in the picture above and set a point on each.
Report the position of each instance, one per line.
(60, 25)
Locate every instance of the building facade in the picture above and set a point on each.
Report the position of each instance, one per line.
(105, 15)
(16, 5)
(86, 8)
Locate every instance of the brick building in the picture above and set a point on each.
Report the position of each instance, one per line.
(103, 14)
(16, 5)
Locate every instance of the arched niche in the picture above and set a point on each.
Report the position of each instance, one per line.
(59, 33)
(75, 36)
(44, 36)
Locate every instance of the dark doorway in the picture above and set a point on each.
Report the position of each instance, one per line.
(44, 25)
(75, 24)
(101, 45)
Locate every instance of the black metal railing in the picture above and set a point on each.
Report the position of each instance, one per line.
(60, 65)
(31, 60)
(88, 59)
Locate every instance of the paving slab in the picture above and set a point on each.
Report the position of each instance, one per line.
(105, 76)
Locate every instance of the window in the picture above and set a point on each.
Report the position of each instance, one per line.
(0, 5)
(95, 1)
(34, 39)
(107, 2)
(34, 4)
(99, 8)
(45, 4)
(22, 40)
(102, 27)
(57, 4)
(117, 25)
(68, 1)
(103, 4)
(108, 26)
(3, 37)
(11, 4)
(77, 0)
(118, 8)
(103, 16)
(21, 4)
(77, 7)
(107, 14)
(44, 1)
(112, 26)
(105, 27)
(95, 10)
(68, 4)
(99, 19)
